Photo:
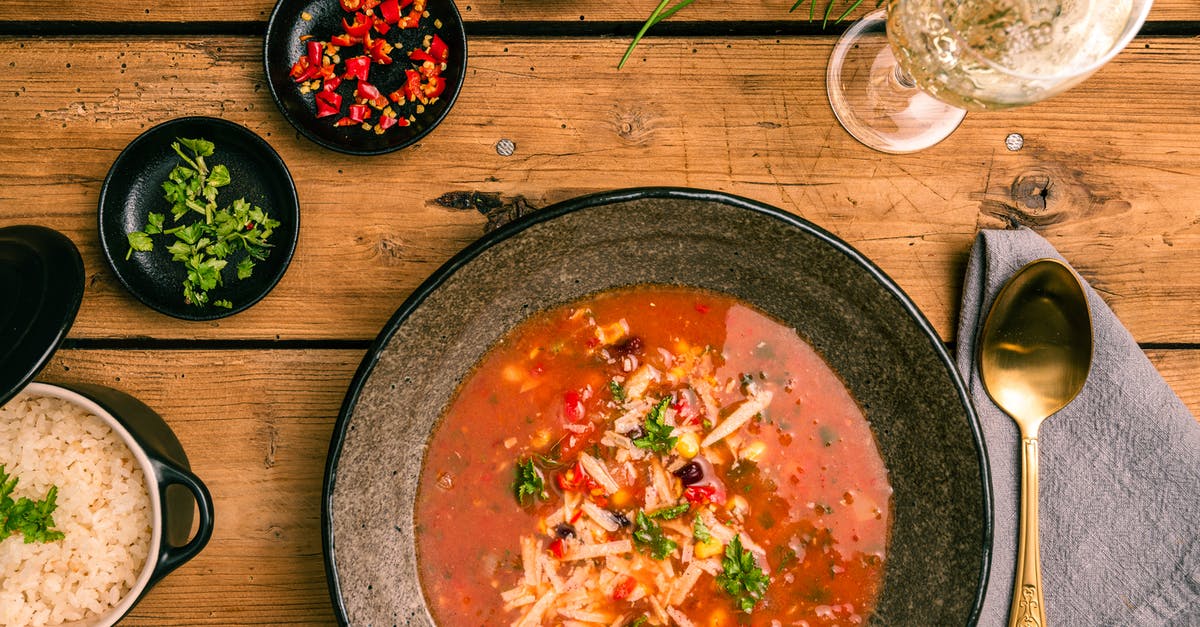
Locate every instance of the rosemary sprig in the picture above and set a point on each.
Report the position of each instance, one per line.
(661, 12)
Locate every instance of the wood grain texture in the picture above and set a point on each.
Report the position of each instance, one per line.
(256, 426)
(176, 11)
(1108, 173)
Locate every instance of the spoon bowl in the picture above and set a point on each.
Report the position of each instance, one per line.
(1035, 352)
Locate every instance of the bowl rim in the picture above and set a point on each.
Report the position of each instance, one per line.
(118, 611)
(286, 248)
(489, 240)
(269, 39)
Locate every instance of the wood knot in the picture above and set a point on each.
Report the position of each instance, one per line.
(498, 211)
(1031, 190)
(632, 125)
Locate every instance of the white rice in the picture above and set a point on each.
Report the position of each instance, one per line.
(103, 509)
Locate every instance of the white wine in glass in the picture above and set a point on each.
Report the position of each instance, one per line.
(901, 80)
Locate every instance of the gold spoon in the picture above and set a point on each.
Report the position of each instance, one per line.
(1034, 355)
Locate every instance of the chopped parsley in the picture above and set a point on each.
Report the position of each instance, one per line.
(203, 245)
(741, 577)
(700, 531)
(658, 434)
(618, 392)
(529, 486)
(648, 536)
(34, 520)
(671, 513)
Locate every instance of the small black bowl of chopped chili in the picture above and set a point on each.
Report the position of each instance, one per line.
(365, 77)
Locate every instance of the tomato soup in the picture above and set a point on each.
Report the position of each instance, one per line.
(652, 456)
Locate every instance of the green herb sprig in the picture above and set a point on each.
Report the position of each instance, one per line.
(658, 436)
(671, 513)
(529, 485)
(648, 536)
(741, 577)
(203, 246)
(700, 531)
(34, 520)
(661, 12)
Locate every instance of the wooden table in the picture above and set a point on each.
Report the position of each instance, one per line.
(729, 96)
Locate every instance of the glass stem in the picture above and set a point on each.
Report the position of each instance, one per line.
(903, 78)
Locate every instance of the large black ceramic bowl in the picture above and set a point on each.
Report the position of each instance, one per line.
(856, 317)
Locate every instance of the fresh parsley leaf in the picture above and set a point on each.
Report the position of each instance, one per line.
(154, 224)
(700, 531)
(219, 177)
(618, 392)
(671, 513)
(741, 577)
(245, 268)
(140, 242)
(200, 147)
(658, 434)
(34, 520)
(648, 536)
(641, 620)
(529, 484)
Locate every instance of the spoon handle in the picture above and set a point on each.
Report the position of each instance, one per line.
(1028, 606)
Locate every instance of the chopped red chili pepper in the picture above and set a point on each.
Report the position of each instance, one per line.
(366, 91)
(439, 49)
(359, 113)
(702, 308)
(412, 84)
(434, 87)
(572, 406)
(701, 494)
(558, 548)
(357, 67)
(361, 26)
(422, 83)
(420, 56)
(390, 9)
(379, 50)
(624, 589)
(316, 50)
(328, 103)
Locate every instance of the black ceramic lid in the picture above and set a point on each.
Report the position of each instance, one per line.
(41, 286)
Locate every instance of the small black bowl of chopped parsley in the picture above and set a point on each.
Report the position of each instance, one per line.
(198, 218)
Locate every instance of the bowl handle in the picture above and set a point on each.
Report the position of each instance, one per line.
(171, 557)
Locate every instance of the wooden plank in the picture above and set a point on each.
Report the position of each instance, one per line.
(1118, 158)
(256, 427)
(230, 11)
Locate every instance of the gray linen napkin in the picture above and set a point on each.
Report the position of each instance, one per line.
(1120, 473)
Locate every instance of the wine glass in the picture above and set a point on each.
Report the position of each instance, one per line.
(949, 56)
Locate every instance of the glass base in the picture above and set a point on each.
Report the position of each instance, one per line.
(874, 101)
